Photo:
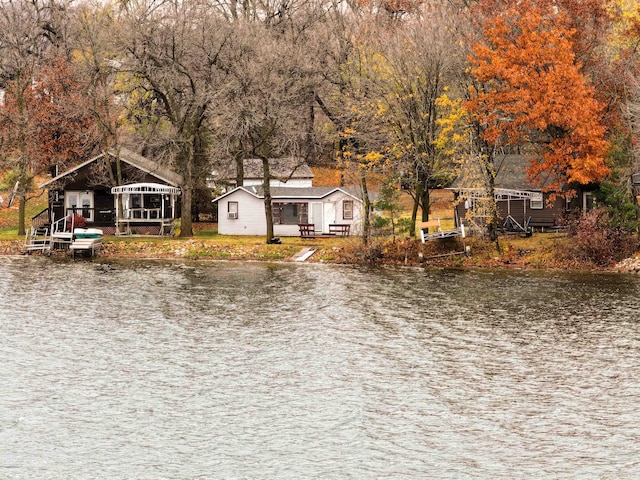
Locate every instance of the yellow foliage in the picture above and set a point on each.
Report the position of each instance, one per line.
(452, 129)
(626, 25)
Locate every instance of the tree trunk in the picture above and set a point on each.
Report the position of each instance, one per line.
(186, 226)
(493, 222)
(414, 215)
(425, 201)
(366, 224)
(239, 159)
(22, 211)
(268, 207)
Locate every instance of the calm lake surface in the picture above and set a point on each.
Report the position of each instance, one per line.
(288, 371)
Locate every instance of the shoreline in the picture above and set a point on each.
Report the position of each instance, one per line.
(346, 252)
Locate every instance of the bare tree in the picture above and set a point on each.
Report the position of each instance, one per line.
(347, 101)
(266, 97)
(25, 42)
(172, 51)
(419, 58)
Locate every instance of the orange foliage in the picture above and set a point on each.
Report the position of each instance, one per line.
(325, 177)
(65, 129)
(533, 93)
(589, 19)
(590, 22)
(330, 177)
(45, 123)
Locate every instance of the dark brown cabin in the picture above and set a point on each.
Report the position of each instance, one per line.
(85, 190)
(521, 205)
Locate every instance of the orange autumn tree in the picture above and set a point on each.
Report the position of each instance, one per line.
(529, 92)
(43, 123)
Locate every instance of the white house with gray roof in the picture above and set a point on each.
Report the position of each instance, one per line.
(241, 210)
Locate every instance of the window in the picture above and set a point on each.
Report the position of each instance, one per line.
(232, 210)
(136, 200)
(290, 213)
(80, 203)
(347, 210)
(537, 201)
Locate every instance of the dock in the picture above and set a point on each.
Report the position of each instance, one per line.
(303, 254)
(85, 245)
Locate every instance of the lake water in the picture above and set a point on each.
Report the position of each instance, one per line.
(287, 371)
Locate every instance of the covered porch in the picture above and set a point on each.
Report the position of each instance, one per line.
(145, 209)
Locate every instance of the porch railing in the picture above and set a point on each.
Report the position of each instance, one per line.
(40, 219)
(94, 215)
(143, 213)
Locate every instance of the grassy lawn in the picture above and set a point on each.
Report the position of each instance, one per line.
(538, 251)
(9, 216)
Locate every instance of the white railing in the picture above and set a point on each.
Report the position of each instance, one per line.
(60, 225)
(143, 213)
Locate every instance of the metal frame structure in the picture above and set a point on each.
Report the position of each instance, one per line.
(128, 215)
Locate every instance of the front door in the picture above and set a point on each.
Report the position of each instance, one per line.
(316, 215)
(79, 202)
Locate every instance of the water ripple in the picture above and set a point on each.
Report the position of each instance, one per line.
(168, 370)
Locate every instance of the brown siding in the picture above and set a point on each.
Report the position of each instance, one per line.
(460, 214)
(516, 208)
(549, 215)
(521, 211)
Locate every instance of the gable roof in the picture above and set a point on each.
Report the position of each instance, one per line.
(282, 168)
(302, 193)
(511, 174)
(133, 159)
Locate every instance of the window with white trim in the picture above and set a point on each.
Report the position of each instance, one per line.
(80, 203)
(536, 202)
(232, 210)
(347, 210)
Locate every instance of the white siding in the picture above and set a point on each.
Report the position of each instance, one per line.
(333, 212)
(251, 219)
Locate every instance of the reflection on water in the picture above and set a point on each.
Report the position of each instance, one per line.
(246, 370)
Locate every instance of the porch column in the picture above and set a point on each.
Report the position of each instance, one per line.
(117, 196)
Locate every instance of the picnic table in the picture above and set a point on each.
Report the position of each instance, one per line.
(341, 229)
(307, 230)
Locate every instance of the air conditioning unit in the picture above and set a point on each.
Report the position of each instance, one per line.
(232, 215)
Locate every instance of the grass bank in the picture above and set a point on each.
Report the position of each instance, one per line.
(541, 251)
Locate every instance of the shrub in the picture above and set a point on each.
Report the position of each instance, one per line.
(619, 205)
(405, 226)
(596, 241)
(78, 222)
(358, 253)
